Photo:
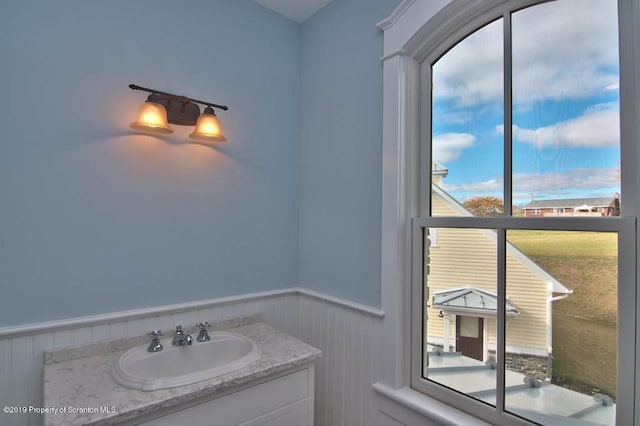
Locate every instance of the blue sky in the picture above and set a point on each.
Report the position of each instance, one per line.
(565, 105)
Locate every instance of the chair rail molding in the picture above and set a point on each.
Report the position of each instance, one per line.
(136, 314)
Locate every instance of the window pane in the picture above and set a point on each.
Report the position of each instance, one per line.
(561, 335)
(467, 108)
(461, 311)
(566, 137)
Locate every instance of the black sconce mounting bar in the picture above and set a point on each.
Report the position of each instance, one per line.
(171, 96)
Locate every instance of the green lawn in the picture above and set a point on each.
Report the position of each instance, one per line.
(584, 324)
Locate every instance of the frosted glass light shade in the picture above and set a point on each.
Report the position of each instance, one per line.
(208, 127)
(152, 118)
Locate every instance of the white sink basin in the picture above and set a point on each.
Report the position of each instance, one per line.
(183, 365)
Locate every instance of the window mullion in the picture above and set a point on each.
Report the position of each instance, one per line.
(507, 209)
(425, 145)
(500, 319)
(508, 116)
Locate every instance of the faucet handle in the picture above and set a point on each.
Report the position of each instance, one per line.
(203, 336)
(155, 333)
(203, 325)
(155, 345)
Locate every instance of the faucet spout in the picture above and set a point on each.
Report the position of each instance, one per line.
(181, 339)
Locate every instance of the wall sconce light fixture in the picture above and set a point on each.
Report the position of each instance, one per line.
(162, 108)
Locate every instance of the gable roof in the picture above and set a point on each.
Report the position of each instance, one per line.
(570, 203)
(472, 300)
(557, 286)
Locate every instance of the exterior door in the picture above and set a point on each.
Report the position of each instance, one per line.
(469, 334)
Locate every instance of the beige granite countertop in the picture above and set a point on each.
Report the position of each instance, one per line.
(80, 390)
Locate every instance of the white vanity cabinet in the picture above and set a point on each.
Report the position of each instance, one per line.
(285, 399)
(274, 390)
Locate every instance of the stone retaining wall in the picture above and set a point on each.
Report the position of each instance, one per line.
(538, 367)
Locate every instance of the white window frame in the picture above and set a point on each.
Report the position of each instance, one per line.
(409, 34)
(625, 227)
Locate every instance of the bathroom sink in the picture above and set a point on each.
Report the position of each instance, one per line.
(182, 365)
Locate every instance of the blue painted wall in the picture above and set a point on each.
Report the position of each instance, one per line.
(95, 218)
(341, 150)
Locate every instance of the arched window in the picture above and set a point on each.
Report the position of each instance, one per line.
(515, 318)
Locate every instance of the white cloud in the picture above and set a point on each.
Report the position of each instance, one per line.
(579, 182)
(449, 146)
(598, 127)
(587, 178)
(455, 117)
(471, 72)
(576, 183)
(489, 187)
(561, 50)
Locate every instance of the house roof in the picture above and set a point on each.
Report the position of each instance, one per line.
(471, 300)
(557, 286)
(570, 203)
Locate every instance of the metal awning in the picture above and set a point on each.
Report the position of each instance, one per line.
(470, 301)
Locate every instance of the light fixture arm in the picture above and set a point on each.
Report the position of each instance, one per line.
(171, 96)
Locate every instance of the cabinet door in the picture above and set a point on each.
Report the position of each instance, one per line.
(296, 414)
(294, 418)
(244, 406)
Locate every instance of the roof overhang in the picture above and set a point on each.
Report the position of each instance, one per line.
(470, 301)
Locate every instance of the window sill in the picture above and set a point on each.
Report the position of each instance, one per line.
(428, 407)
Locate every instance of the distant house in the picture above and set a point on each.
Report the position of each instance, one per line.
(462, 303)
(609, 206)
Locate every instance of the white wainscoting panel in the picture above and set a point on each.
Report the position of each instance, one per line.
(22, 355)
(349, 340)
(348, 335)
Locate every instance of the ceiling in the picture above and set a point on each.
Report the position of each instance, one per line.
(298, 10)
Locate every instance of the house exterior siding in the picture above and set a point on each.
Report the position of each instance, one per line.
(468, 257)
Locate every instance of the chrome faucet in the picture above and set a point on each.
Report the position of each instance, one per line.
(155, 345)
(203, 336)
(180, 339)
